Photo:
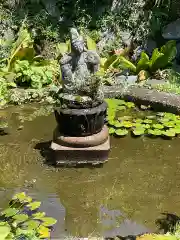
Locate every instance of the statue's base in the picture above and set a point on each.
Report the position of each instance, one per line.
(95, 150)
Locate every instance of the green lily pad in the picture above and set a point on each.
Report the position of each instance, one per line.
(124, 118)
(155, 132)
(121, 132)
(169, 133)
(112, 123)
(127, 124)
(160, 114)
(138, 125)
(119, 125)
(111, 131)
(158, 126)
(147, 121)
(163, 120)
(138, 120)
(176, 130)
(146, 126)
(169, 124)
(138, 131)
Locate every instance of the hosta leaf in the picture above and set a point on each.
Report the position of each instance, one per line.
(34, 205)
(44, 232)
(9, 212)
(48, 221)
(126, 64)
(20, 217)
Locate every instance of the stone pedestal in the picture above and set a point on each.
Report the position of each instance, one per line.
(81, 136)
(92, 149)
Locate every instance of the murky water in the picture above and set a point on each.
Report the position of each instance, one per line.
(140, 181)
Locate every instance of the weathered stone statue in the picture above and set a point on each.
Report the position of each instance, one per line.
(81, 87)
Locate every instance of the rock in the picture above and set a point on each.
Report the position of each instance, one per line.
(150, 45)
(125, 80)
(172, 31)
(132, 79)
(155, 82)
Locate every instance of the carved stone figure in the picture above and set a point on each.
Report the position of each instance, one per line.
(80, 84)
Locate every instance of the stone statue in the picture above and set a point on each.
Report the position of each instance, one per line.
(80, 84)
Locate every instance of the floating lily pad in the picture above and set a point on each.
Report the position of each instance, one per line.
(138, 120)
(176, 130)
(111, 131)
(163, 120)
(146, 126)
(138, 131)
(160, 114)
(169, 124)
(127, 124)
(119, 125)
(169, 133)
(124, 118)
(147, 121)
(121, 132)
(158, 126)
(155, 132)
(151, 117)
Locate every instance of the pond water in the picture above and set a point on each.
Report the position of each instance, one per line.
(139, 182)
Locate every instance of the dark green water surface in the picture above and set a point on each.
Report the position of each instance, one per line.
(141, 179)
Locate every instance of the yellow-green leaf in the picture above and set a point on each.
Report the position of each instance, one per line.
(48, 221)
(34, 205)
(9, 212)
(38, 215)
(32, 224)
(126, 64)
(4, 232)
(62, 48)
(44, 232)
(22, 197)
(91, 44)
(20, 217)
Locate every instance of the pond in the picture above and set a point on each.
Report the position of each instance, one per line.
(138, 183)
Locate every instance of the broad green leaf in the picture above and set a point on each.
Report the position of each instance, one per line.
(34, 205)
(21, 217)
(9, 212)
(169, 50)
(44, 232)
(110, 61)
(62, 48)
(91, 44)
(48, 221)
(22, 197)
(102, 61)
(32, 224)
(4, 232)
(143, 63)
(38, 215)
(156, 54)
(126, 64)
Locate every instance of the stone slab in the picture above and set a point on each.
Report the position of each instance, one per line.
(73, 156)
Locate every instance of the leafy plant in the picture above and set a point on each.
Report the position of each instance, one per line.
(22, 220)
(160, 59)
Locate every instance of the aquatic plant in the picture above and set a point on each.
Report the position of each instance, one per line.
(166, 125)
(22, 220)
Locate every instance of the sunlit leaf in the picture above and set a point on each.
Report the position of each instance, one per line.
(91, 44)
(22, 197)
(32, 224)
(34, 205)
(38, 215)
(43, 232)
(9, 212)
(48, 221)
(4, 232)
(20, 217)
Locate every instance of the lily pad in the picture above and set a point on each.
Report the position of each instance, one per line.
(169, 124)
(155, 132)
(169, 133)
(151, 117)
(127, 124)
(176, 130)
(121, 132)
(138, 120)
(147, 126)
(138, 131)
(111, 131)
(126, 118)
(158, 126)
(147, 121)
(119, 125)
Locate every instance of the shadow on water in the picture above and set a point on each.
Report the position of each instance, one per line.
(140, 181)
(167, 222)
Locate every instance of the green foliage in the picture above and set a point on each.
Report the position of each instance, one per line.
(21, 220)
(160, 59)
(162, 124)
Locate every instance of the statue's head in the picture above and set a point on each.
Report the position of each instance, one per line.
(74, 34)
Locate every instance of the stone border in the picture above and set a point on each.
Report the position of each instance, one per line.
(159, 101)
